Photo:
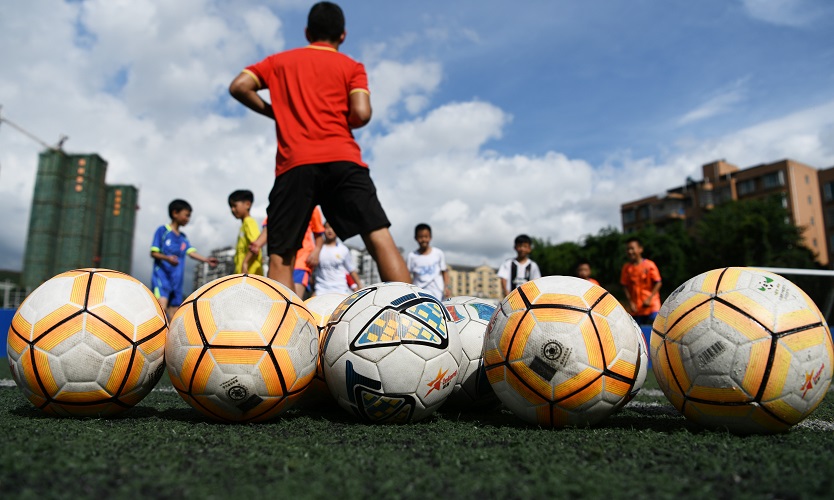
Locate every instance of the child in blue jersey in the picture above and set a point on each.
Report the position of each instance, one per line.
(168, 250)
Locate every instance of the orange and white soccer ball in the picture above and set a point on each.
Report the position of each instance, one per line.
(88, 342)
(742, 349)
(242, 349)
(391, 354)
(321, 307)
(562, 351)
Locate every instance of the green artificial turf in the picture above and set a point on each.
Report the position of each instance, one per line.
(164, 449)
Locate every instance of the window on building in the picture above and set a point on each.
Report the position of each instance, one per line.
(807, 179)
(784, 200)
(706, 198)
(828, 191)
(812, 220)
(746, 187)
(831, 241)
(810, 201)
(774, 179)
(643, 212)
(829, 217)
(628, 216)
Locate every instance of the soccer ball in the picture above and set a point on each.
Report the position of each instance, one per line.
(645, 361)
(472, 390)
(391, 353)
(562, 351)
(242, 349)
(742, 349)
(320, 306)
(88, 342)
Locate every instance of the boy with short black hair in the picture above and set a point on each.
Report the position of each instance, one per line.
(168, 250)
(427, 265)
(515, 272)
(318, 95)
(246, 261)
(641, 282)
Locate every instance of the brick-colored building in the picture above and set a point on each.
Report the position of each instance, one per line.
(826, 181)
(801, 188)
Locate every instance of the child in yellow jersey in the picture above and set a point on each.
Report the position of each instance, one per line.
(246, 261)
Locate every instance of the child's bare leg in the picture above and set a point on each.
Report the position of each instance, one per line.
(163, 303)
(384, 251)
(280, 269)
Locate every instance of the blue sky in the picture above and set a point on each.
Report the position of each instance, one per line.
(490, 118)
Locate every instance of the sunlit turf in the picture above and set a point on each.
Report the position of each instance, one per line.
(164, 449)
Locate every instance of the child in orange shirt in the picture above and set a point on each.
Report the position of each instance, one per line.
(641, 281)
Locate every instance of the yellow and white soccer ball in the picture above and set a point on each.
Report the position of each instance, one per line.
(562, 351)
(472, 390)
(88, 342)
(645, 360)
(742, 349)
(242, 349)
(391, 353)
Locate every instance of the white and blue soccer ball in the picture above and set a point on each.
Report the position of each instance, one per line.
(391, 353)
(472, 390)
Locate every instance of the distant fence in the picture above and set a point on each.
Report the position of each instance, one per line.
(11, 296)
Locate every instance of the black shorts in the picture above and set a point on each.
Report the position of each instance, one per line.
(345, 192)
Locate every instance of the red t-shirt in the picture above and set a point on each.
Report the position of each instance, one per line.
(310, 91)
(639, 279)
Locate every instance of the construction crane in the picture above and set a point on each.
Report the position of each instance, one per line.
(57, 147)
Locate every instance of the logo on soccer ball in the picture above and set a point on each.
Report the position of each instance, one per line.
(441, 381)
(235, 390)
(811, 380)
(766, 285)
(237, 393)
(554, 351)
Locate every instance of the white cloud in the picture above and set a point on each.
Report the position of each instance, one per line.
(721, 102)
(782, 12)
(393, 83)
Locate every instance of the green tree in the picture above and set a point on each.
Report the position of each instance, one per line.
(556, 259)
(741, 233)
(750, 233)
(605, 252)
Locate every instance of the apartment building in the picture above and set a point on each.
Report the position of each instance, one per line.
(799, 186)
(474, 281)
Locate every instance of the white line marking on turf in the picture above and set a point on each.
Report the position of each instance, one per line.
(817, 425)
(652, 393)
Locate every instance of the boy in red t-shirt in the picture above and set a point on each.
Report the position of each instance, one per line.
(641, 281)
(318, 95)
